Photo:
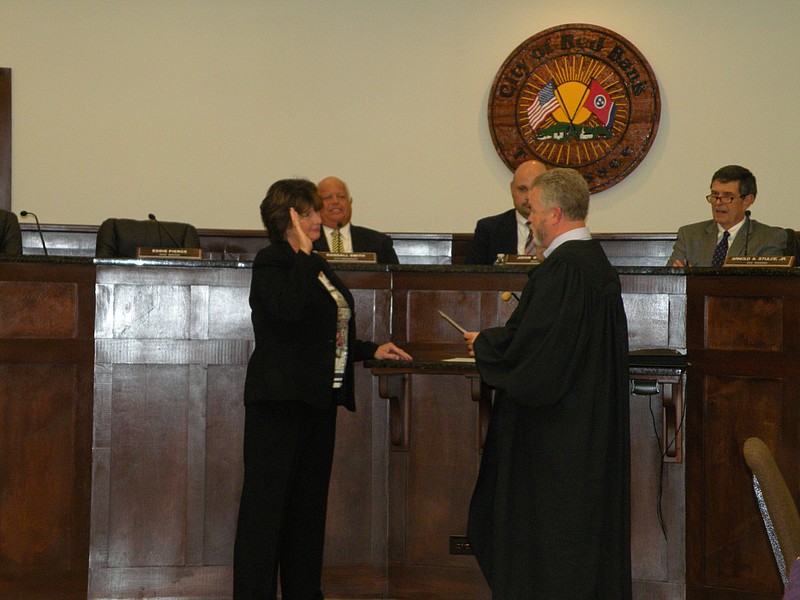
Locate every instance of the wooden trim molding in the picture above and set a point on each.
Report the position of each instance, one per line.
(5, 138)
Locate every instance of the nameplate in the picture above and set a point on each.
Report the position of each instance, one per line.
(187, 253)
(516, 259)
(773, 262)
(350, 257)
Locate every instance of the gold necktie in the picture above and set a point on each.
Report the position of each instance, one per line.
(338, 244)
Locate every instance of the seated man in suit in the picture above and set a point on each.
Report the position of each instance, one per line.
(730, 232)
(10, 236)
(508, 232)
(337, 209)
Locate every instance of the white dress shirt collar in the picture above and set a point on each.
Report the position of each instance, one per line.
(581, 233)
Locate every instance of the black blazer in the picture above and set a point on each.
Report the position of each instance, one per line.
(294, 322)
(366, 240)
(10, 236)
(493, 235)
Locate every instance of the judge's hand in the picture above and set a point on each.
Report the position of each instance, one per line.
(679, 263)
(295, 235)
(469, 337)
(389, 351)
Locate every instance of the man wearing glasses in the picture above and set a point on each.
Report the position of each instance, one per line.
(730, 231)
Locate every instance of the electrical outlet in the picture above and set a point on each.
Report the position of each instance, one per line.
(459, 544)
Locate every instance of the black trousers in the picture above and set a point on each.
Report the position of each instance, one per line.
(288, 452)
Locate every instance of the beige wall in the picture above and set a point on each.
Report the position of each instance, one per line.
(191, 108)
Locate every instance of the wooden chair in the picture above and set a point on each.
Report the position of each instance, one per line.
(777, 506)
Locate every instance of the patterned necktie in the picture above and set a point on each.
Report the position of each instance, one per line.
(529, 246)
(338, 244)
(720, 251)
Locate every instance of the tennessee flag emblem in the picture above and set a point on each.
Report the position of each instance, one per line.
(600, 103)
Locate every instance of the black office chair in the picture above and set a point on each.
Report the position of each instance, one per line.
(792, 246)
(119, 238)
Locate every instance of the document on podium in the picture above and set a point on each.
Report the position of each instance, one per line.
(452, 322)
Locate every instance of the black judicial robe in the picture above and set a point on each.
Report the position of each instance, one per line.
(550, 515)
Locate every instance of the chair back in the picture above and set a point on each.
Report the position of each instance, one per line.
(792, 246)
(776, 503)
(119, 238)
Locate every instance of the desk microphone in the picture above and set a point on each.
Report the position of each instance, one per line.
(747, 237)
(25, 213)
(161, 227)
(506, 296)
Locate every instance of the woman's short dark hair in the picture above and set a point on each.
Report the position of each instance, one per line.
(299, 194)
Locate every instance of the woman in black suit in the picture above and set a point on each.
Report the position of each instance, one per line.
(299, 373)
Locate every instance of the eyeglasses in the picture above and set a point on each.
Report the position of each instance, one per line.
(724, 199)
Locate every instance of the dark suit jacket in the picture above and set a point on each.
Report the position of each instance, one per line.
(10, 236)
(696, 242)
(493, 235)
(366, 240)
(294, 321)
(119, 238)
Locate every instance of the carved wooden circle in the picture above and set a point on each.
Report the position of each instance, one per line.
(578, 96)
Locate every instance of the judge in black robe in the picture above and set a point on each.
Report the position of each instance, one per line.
(550, 514)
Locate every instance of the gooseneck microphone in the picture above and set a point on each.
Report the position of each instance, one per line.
(25, 213)
(747, 237)
(506, 296)
(161, 227)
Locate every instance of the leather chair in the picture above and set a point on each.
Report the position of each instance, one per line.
(119, 238)
(10, 235)
(792, 246)
(777, 506)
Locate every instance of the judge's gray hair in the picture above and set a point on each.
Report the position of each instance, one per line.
(565, 188)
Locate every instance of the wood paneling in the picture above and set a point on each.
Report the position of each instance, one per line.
(46, 358)
(38, 309)
(744, 381)
(150, 361)
(5, 138)
(172, 346)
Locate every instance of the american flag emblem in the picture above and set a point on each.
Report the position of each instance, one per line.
(545, 103)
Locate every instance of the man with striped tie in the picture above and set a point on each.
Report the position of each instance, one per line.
(731, 231)
(508, 232)
(339, 235)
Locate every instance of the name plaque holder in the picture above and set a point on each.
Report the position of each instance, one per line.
(181, 253)
(516, 259)
(772, 262)
(350, 257)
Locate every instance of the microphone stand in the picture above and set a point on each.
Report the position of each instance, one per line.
(25, 213)
(161, 227)
(747, 237)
